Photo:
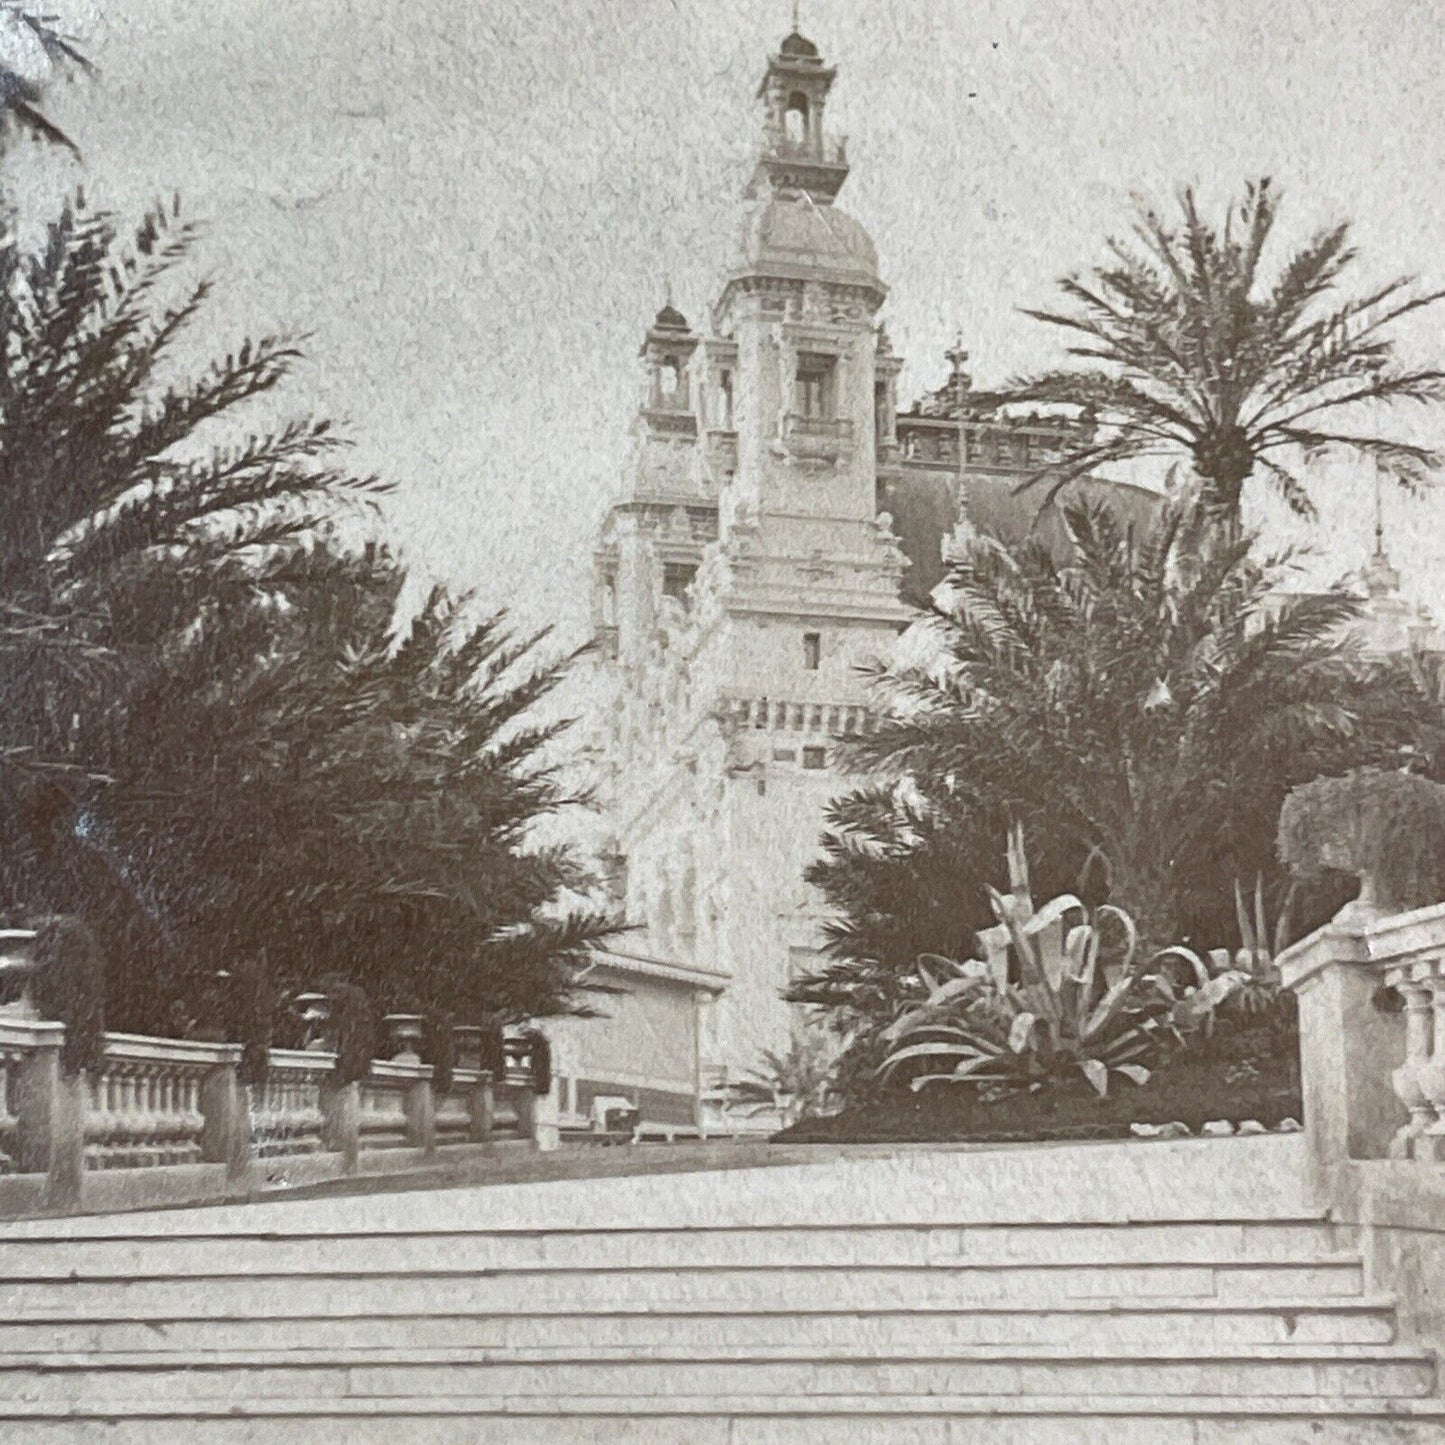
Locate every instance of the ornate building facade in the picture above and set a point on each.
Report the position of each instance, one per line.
(778, 515)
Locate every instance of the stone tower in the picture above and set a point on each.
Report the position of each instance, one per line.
(746, 574)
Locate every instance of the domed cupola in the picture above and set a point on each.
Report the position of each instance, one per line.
(793, 230)
(670, 319)
(789, 235)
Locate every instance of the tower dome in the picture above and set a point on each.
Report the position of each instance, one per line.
(789, 234)
(798, 47)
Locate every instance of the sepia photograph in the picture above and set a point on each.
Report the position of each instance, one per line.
(722, 722)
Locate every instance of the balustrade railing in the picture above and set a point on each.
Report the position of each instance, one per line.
(1419, 1081)
(825, 150)
(144, 1108)
(166, 1120)
(1371, 993)
(778, 715)
(818, 428)
(287, 1117)
(391, 1112)
(465, 1114)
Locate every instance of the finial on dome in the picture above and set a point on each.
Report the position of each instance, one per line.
(1381, 579)
(1379, 515)
(957, 358)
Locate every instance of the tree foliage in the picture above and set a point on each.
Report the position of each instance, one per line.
(1141, 706)
(215, 744)
(351, 806)
(1186, 345)
(33, 52)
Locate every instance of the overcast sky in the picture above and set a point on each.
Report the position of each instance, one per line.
(471, 204)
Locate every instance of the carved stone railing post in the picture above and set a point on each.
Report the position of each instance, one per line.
(341, 1127)
(1419, 1034)
(33, 1052)
(482, 1105)
(226, 1132)
(65, 1176)
(1372, 1075)
(421, 1126)
(49, 1111)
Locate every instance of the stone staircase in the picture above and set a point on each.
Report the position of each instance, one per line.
(775, 1326)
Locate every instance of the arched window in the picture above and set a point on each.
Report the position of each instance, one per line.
(795, 118)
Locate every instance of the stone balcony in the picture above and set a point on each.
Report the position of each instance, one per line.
(722, 451)
(816, 438)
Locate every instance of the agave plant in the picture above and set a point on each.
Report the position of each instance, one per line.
(1248, 978)
(1059, 989)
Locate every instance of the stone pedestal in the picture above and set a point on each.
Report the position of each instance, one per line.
(341, 1127)
(482, 1107)
(1353, 1035)
(421, 1128)
(226, 1132)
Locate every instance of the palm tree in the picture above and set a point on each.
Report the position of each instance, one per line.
(1190, 350)
(50, 53)
(1139, 708)
(131, 521)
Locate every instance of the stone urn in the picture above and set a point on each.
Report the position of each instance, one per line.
(18, 967)
(314, 1010)
(406, 1035)
(1386, 828)
(216, 1007)
(467, 1045)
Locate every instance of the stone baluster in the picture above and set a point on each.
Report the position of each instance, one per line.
(10, 1066)
(1419, 1037)
(1430, 1077)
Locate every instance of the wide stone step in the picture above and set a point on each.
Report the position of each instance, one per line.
(41, 1258)
(763, 1289)
(744, 1420)
(1313, 1370)
(1083, 1323)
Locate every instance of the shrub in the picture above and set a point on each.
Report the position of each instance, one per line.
(800, 1084)
(354, 1021)
(70, 987)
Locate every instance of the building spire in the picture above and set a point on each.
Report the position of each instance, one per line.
(1381, 579)
(1379, 516)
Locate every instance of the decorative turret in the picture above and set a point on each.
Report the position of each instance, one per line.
(798, 157)
(666, 351)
